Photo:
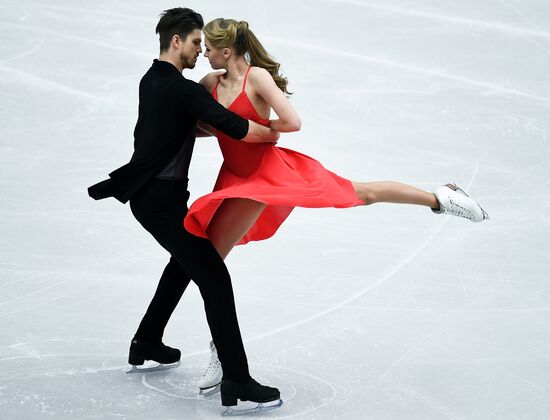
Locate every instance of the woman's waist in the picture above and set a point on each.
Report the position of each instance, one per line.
(242, 159)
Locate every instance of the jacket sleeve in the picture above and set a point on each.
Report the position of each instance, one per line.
(199, 103)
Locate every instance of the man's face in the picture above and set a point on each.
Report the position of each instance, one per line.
(190, 49)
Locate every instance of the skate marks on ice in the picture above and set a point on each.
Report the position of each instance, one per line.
(39, 296)
(500, 27)
(45, 84)
(73, 385)
(65, 386)
(388, 275)
(72, 10)
(301, 391)
(25, 53)
(488, 86)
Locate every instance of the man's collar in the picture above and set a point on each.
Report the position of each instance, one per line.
(166, 65)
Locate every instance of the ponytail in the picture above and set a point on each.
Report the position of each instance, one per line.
(228, 32)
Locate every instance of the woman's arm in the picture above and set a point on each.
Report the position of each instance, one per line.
(265, 86)
(258, 133)
(198, 103)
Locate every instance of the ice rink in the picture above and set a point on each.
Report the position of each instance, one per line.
(385, 312)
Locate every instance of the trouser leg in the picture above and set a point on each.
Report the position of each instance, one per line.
(201, 261)
(161, 208)
(172, 284)
(209, 272)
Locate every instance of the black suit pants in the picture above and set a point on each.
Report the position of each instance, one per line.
(160, 207)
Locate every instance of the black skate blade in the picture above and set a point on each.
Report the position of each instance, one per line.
(158, 368)
(207, 392)
(260, 408)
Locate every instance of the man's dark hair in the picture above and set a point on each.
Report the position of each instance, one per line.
(178, 21)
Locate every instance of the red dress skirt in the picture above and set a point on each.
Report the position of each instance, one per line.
(278, 177)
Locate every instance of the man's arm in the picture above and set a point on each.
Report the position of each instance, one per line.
(204, 130)
(201, 105)
(208, 81)
(257, 133)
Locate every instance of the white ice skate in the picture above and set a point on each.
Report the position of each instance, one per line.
(454, 201)
(211, 379)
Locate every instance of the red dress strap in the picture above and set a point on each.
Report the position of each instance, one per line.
(245, 76)
(215, 88)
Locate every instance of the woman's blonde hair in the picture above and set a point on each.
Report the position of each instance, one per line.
(223, 33)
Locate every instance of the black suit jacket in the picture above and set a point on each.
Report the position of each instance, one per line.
(169, 107)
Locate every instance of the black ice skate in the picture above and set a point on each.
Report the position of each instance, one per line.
(267, 398)
(140, 351)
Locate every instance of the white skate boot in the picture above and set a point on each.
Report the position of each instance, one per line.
(211, 379)
(454, 201)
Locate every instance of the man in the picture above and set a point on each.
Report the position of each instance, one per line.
(155, 183)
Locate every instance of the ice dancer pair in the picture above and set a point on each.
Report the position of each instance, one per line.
(258, 186)
(155, 183)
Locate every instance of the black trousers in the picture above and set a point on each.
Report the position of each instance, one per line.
(160, 207)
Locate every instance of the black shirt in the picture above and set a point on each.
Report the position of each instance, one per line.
(169, 107)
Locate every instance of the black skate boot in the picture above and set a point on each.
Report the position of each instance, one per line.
(267, 397)
(141, 350)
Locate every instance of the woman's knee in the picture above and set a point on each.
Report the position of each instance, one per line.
(366, 194)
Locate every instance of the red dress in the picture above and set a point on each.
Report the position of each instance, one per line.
(278, 177)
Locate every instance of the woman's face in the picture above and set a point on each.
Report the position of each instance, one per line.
(214, 55)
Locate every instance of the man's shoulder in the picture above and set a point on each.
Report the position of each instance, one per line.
(188, 86)
(210, 80)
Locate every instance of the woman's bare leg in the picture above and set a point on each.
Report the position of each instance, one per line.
(394, 192)
(234, 217)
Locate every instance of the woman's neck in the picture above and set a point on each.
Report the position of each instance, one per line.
(236, 69)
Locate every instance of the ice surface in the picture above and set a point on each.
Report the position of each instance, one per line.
(385, 312)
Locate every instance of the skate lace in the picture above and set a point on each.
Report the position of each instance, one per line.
(463, 212)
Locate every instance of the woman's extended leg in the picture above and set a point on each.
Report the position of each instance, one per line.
(394, 192)
(234, 217)
(447, 199)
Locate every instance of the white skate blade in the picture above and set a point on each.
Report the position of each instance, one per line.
(207, 392)
(260, 408)
(158, 368)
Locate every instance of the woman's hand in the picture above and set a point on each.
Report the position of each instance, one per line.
(260, 134)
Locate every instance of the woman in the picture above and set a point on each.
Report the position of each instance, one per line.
(259, 184)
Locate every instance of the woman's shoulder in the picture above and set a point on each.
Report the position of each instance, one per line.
(211, 79)
(260, 77)
(258, 72)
